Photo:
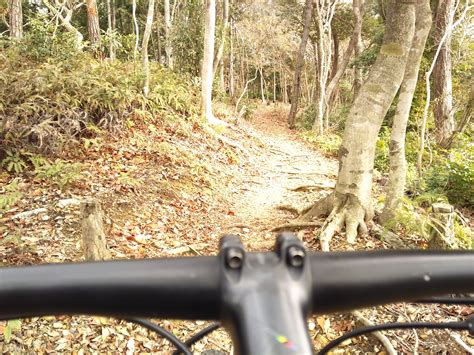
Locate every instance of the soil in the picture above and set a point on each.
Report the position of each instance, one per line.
(170, 189)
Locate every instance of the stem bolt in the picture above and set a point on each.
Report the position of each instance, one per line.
(296, 256)
(234, 258)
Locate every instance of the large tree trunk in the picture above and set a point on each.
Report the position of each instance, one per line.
(146, 39)
(93, 25)
(398, 165)
(442, 83)
(357, 6)
(15, 14)
(350, 205)
(168, 44)
(308, 11)
(207, 61)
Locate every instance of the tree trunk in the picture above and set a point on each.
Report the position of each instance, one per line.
(137, 30)
(318, 124)
(350, 205)
(358, 8)
(442, 82)
(231, 63)
(207, 62)
(225, 27)
(66, 22)
(324, 15)
(168, 44)
(93, 25)
(308, 11)
(357, 69)
(262, 90)
(398, 165)
(93, 237)
(15, 19)
(335, 57)
(110, 29)
(146, 39)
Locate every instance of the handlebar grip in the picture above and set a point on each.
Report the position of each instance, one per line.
(349, 280)
(178, 288)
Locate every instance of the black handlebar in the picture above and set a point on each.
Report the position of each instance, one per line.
(177, 288)
(350, 280)
(274, 292)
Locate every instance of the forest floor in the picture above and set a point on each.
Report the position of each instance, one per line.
(174, 188)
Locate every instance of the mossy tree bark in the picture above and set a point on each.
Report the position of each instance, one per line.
(398, 165)
(308, 12)
(350, 205)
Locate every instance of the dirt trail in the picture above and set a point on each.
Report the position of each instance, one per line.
(285, 164)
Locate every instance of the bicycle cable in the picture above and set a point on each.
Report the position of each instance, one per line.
(181, 346)
(467, 324)
(198, 336)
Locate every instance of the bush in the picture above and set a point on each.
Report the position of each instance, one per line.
(328, 143)
(454, 176)
(45, 105)
(381, 162)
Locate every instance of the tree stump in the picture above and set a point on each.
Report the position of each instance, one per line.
(442, 227)
(93, 236)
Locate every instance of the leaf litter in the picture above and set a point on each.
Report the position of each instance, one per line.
(170, 189)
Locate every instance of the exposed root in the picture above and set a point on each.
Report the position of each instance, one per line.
(391, 238)
(310, 187)
(288, 208)
(382, 338)
(347, 211)
(296, 225)
(320, 208)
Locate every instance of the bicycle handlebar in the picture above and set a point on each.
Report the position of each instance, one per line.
(276, 290)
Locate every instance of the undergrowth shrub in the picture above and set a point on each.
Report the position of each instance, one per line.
(327, 143)
(454, 176)
(9, 195)
(381, 162)
(45, 105)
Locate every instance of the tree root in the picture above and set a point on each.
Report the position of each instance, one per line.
(391, 238)
(309, 187)
(296, 225)
(382, 338)
(288, 208)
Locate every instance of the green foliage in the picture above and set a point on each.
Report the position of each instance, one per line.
(58, 172)
(454, 176)
(187, 38)
(464, 235)
(43, 40)
(381, 162)
(13, 162)
(328, 143)
(305, 118)
(13, 325)
(10, 195)
(46, 105)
